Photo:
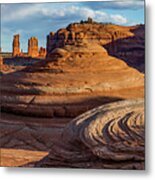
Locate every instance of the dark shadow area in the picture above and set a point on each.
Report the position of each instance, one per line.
(59, 110)
(130, 49)
(21, 61)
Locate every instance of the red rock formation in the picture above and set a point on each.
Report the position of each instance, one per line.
(33, 47)
(42, 52)
(50, 41)
(126, 43)
(1, 62)
(78, 75)
(16, 45)
(73, 79)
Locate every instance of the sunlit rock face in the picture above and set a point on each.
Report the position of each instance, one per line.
(33, 50)
(16, 45)
(1, 61)
(109, 136)
(124, 42)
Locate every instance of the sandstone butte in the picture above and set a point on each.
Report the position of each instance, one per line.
(125, 42)
(33, 50)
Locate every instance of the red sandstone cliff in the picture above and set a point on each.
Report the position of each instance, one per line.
(126, 43)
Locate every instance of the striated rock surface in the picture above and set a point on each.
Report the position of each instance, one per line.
(110, 136)
(124, 42)
(72, 80)
(33, 47)
(16, 45)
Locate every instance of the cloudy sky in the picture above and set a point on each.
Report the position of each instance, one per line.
(39, 19)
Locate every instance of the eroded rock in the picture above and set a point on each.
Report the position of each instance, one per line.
(110, 136)
(72, 80)
(16, 45)
(33, 47)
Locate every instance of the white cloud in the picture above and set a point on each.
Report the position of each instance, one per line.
(71, 12)
(133, 4)
(117, 4)
(119, 19)
(12, 13)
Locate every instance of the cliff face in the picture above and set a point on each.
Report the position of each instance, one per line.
(126, 43)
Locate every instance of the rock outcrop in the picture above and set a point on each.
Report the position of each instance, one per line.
(110, 136)
(16, 45)
(33, 47)
(1, 61)
(74, 79)
(42, 52)
(124, 42)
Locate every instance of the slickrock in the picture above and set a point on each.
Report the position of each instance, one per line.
(33, 47)
(124, 42)
(16, 45)
(42, 52)
(72, 80)
(109, 136)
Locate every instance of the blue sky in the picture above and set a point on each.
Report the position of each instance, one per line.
(40, 19)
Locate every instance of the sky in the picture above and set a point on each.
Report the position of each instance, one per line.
(38, 19)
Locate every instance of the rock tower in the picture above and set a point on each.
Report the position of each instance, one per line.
(42, 52)
(16, 45)
(33, 47)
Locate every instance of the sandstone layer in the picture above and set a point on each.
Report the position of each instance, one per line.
(74, 79)
(110, 136)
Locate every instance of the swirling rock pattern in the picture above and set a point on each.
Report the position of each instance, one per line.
(110, 136)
